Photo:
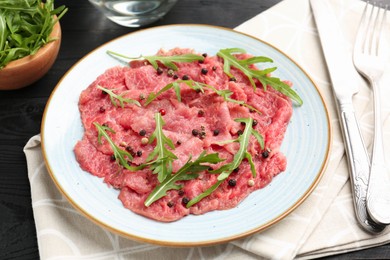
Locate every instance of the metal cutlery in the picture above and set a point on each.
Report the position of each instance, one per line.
(344, 79)
(370, 64)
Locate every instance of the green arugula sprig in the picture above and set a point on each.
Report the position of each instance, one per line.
(115, 98)
(25, 26)
(160, 159)
(167, 61)
(262, 75)
(189, 171)
(175, 85)
(121, 156)
(198, 86)
(241, 154)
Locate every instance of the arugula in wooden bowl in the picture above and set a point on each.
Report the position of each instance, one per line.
(30, 37)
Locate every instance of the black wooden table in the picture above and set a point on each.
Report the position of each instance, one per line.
(84, 29)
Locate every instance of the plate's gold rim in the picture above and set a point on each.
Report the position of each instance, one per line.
(205, 242)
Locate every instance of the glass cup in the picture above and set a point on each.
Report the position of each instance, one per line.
(134, 13)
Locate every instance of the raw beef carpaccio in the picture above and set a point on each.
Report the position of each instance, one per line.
(202, 121)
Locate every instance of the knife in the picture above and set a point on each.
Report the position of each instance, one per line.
(342, 74)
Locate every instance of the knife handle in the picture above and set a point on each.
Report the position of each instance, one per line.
(359, 166)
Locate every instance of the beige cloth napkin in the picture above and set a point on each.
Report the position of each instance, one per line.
(323, 225)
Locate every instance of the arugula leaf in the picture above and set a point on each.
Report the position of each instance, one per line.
(25, 26)
(225, 93)
(282, 87)
(189, 171)
(119, 97)
(259, 137)
(120, 155)
(243, 139)
(243, 65)
(175, 85)
(241, 154)
(230, 60)
(160, 159)
(198, 86)
(167, 61)
(204, 194)
(3, 32)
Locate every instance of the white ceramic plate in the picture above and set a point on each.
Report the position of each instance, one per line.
(306, 144)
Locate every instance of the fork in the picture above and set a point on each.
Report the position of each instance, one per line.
(371, 66)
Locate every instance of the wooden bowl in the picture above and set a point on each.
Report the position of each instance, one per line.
(25, 71)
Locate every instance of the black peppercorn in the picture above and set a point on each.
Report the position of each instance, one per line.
(139, 153)
(130, 150)
(233, 79)
(265, 154)
(185, 77)
(232, 182)
(201, 113)
(185, 200)
(159, 71)
(195, 132)
(204, 71)
(254, 122)
(216, 132)
(142, 132)
(112, 157)
(170, 204)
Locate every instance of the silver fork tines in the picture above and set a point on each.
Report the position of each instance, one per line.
(373, 27)
(370, 64)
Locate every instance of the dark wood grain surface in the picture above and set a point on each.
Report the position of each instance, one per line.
(84, 29)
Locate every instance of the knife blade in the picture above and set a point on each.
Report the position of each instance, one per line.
(345, 84)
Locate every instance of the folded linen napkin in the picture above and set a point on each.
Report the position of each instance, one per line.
(323, 225)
